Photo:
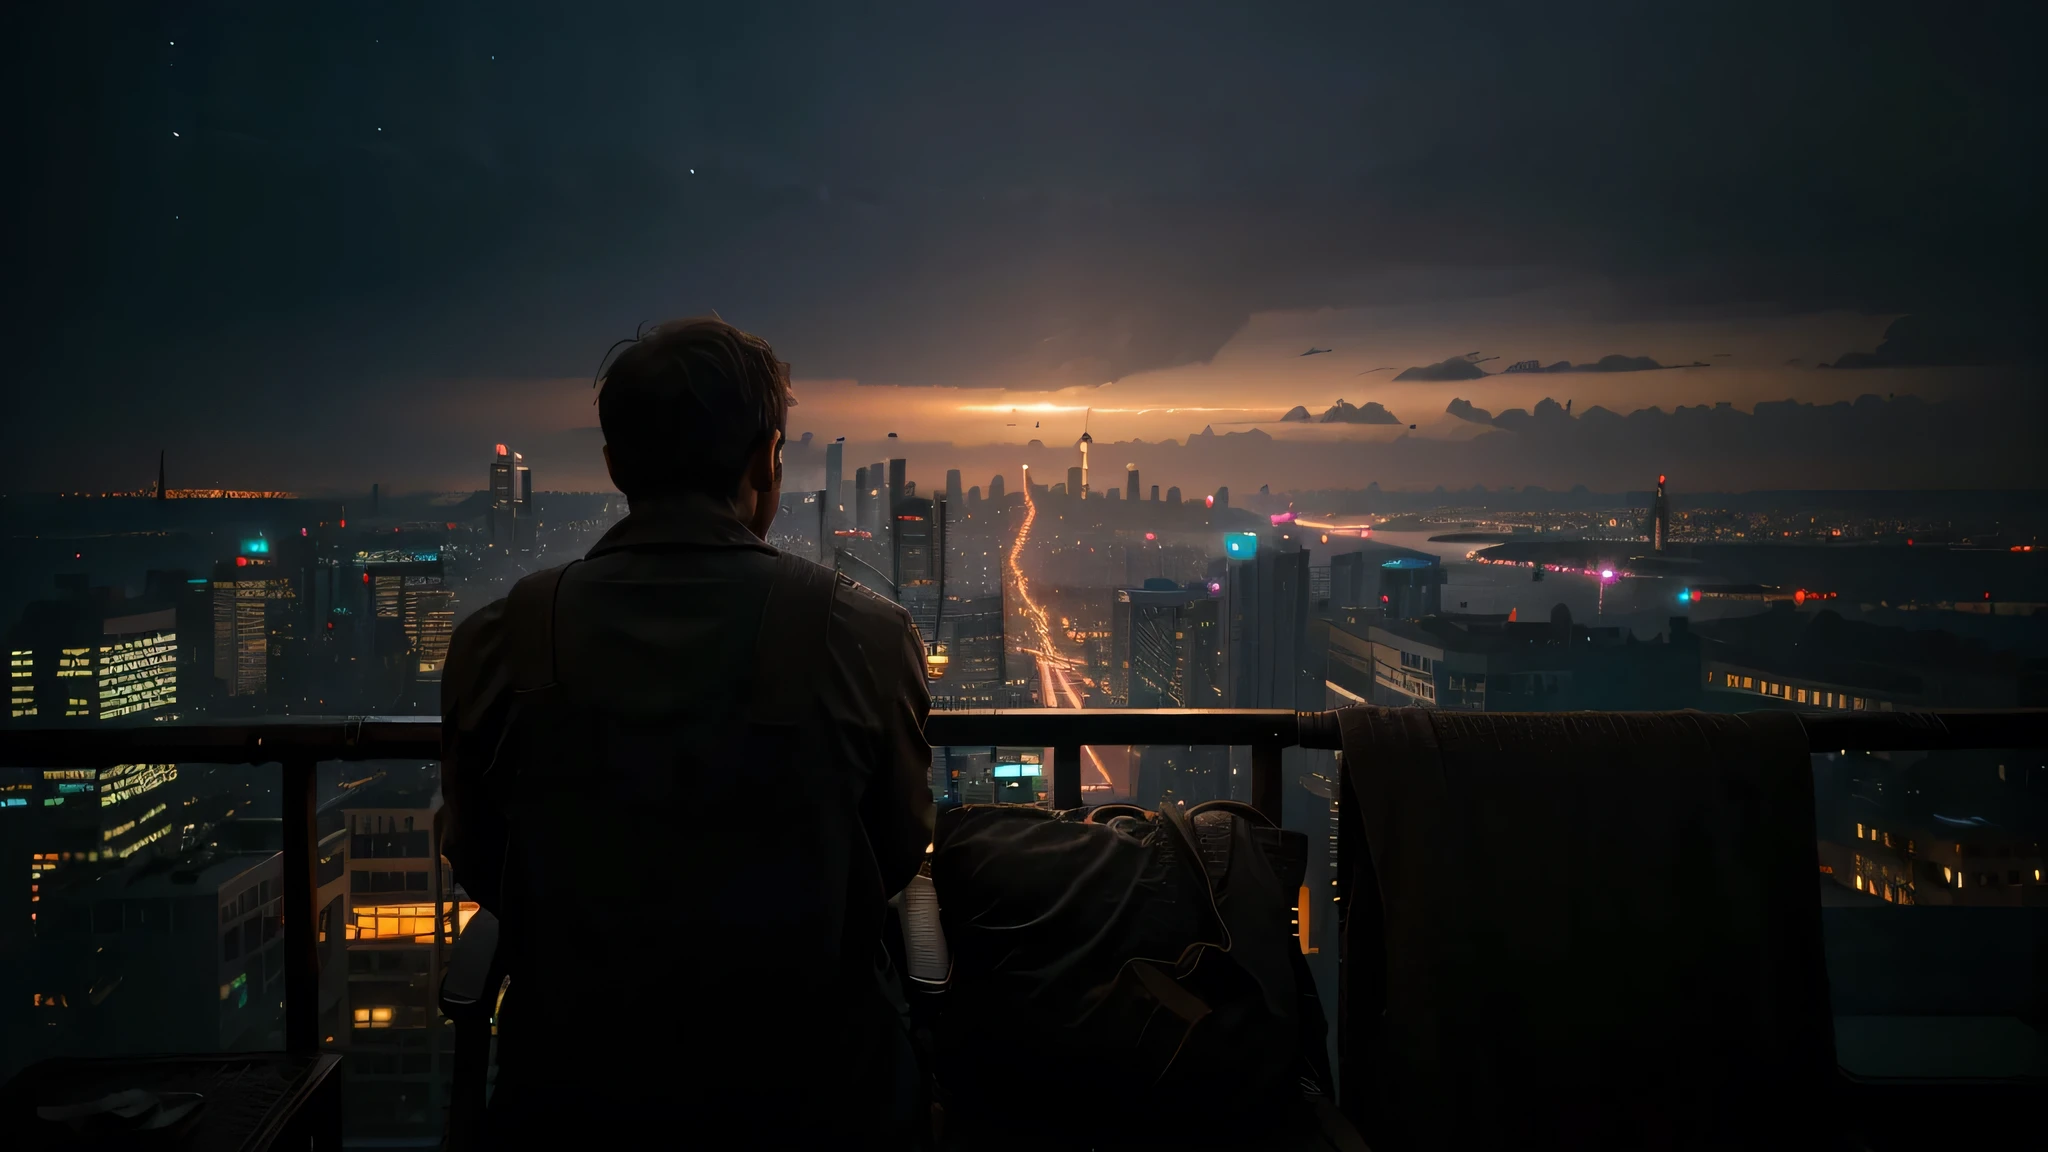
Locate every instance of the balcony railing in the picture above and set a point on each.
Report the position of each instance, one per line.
(298, 745)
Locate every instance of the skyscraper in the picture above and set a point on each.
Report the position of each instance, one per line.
(1131, 482)
(835, 468)
(1082, 489)
(897, 468)
(1173, 496)
(254, 610)
(1075, 485)
(524, 524)
(503, 497)
(995, 488)
(1266, 630)
(1660, 519)
(863, 512)
(953, 495)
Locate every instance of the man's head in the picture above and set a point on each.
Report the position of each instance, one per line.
(698, 406)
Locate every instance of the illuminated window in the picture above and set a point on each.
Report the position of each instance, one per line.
(1733, 680)
(1859, 831)
(1749, 682)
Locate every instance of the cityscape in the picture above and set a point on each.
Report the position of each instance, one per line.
(170, 606)
(1129, 359)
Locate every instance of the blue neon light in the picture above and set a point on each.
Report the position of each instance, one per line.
(1684, 595)
(257, 547)
(1241, 545)
(1017, 771)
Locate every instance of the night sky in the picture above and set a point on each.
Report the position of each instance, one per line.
(317, 245)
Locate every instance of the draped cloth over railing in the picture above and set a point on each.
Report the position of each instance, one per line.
(1582, 930)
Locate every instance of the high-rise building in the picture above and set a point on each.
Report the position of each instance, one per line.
(1660, 519)
(1081, 490)
(525, 525)
(1155, 494)
(896, 495)
(503, 495)
(835, 481)
(255, 614)
(397, 914)
(995, 488)
(1411, 587)
(1266, 630)
(878, 501)
(1165, 647)
(93, 657)
(1075, 487)
(411, 611)
(1131, 483)
(953, 493)
(1173, 496)
(863, 501)
(914, 538)
(1353, 581)
(182, 955)
(1223, 498)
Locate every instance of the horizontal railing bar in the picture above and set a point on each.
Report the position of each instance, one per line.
(251, 742)
(1054, 727)
(419, 737)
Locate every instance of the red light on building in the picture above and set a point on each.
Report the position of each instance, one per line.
(1208, 501)
(241, 561)
(451, 525)
(1909, 541)
(1799, 597)
(302, 531)
(344, 523)
(1150, 536)
(1660, 481)
(1383, 600)
(366, 577)
(1987, 595)
(501, 450)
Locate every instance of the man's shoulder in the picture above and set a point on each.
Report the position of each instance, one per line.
(868, 613)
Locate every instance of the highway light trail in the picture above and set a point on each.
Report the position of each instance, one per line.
(1055, 671)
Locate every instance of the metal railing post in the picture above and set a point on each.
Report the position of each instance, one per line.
(300, 929)
(1066, 776)
(1266, 782)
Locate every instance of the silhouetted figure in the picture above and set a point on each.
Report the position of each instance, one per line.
(687, 772)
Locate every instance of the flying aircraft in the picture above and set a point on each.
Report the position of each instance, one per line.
(1315, 351)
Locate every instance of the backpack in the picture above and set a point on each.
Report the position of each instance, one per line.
(1133, 976)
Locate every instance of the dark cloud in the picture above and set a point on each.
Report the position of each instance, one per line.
(1872, 443)
(1619, 363)
(923, 193)
(1456, 368)
(1930, 341)
(1465, 410)
(1342, 412)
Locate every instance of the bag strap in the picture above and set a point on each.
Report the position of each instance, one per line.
(789, 644)
(530, 609)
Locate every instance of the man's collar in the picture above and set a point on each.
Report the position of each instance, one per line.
(694, 520)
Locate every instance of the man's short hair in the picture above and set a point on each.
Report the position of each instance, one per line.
(684, 407)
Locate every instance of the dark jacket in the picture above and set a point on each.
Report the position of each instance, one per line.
(702, 899)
